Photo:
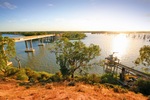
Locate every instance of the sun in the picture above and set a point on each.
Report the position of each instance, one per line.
(120, 45)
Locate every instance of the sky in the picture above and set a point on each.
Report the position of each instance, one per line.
(74, 15)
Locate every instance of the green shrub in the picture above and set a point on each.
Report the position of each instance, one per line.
(44, 76)
(33, 75)
(11, 71)
(29, 72)
(90, 79)
(37, 76)
(143, 86)
(21, 75)
(108, 78)
(57, 77)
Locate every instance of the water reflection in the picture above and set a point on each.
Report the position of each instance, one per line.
(127, 46)
(119, 45)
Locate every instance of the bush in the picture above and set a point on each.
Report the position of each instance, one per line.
(108, 78)
(90, 79)
(44, 76)
(30, 75)
(33, 76)
(21, 75)
(11, 71)
(143, 86)
(56, 78)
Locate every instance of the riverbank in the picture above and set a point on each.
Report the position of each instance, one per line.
(11, 90)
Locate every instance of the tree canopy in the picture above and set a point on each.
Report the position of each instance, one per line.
(74, 55)
(74, 35)
(144, 57)
(7, 50)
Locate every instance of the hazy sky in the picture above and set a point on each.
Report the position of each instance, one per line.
(74, 15)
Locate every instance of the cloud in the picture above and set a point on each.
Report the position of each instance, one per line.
(50, 5)
(8, 5)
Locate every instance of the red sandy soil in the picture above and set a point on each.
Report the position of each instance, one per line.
(10, 90)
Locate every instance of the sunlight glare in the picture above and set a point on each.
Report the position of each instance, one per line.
(119, 45)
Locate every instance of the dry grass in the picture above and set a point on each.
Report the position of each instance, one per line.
(10, 90)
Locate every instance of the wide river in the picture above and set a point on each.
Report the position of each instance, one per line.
(126, 46)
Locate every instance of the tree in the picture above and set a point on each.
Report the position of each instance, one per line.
(7, 50)
(144, 57)
(74, 55)
(74, 35)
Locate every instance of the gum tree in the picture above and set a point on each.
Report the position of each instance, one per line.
(74, 55)
(144, 57)
(7, 50)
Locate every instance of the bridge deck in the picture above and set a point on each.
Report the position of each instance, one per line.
(120, 66)
(19, 39)
(135, 71)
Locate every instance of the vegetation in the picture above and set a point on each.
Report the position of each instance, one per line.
(89, 79)
(7, 50)
(74, 35)
(71, 56)
(108, 78)
(74, 55)
(144, 57)
(142, 86)
(70, 35)
(26, 74)
(29, 33)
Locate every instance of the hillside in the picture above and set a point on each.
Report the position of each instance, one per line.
(10, 90)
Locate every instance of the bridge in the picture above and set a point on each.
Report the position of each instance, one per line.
(28, 40)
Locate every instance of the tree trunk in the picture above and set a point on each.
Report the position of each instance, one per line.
(72, 75)
(19, 63)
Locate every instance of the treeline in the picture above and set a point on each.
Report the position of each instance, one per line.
(30, 33)
(74, 35)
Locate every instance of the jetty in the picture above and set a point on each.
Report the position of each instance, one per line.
(113, 65)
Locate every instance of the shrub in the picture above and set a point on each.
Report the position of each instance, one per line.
(11, 71)
(33, 76)
(143, 86)
(90, 79)
(57, 77)
(108, 78)
(44, 76)
(21, 75)
(37, 76)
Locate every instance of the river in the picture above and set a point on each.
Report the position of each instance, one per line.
(126, 46)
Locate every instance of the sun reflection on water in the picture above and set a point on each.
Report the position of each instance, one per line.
(120, 45)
